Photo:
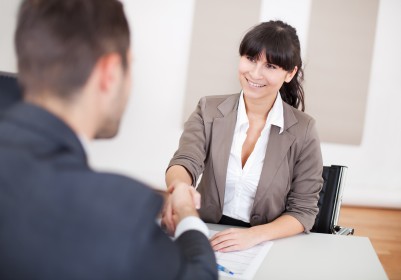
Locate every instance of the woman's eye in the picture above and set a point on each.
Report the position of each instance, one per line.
(250, 58)
(271, 66)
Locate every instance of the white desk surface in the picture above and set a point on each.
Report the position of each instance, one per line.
(319, 256)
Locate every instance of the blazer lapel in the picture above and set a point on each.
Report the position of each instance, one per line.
(222, 137)
(276, 150)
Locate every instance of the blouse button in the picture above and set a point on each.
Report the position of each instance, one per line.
(255, 218)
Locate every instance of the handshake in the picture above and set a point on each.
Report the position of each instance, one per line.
(181, 202)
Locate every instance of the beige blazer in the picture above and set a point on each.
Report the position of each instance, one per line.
(291, 177)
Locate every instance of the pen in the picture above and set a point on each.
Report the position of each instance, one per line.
(224, 269)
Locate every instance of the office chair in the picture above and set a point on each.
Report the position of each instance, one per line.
(330, 202)
(10, 91)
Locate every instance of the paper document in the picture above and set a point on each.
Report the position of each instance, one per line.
(245, 263)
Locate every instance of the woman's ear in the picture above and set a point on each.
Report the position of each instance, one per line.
(290, 75)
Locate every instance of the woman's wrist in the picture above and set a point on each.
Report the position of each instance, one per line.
(184, 212)
(260, 233)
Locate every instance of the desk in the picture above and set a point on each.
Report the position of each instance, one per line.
(319, 256)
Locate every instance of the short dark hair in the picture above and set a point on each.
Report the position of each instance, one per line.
(58, 42)
(279, 41)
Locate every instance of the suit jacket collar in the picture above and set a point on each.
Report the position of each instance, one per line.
(47, 125)
(289, 117)
(229, 105)
(222, 137)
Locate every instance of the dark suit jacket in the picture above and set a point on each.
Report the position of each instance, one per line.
(291, 177)
(61, 220)
(10, 91)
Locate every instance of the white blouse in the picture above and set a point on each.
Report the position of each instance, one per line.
(241, 183)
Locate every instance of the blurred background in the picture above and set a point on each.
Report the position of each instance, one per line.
(184, 49)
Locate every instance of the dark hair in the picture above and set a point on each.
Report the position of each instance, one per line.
(58, 42)
(279, 41)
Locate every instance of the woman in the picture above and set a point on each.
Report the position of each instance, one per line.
(259, 155)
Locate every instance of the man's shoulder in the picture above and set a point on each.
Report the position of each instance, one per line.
(109, 187)
(117, 182)
(72, 182)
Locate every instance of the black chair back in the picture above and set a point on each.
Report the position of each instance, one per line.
(330, 199)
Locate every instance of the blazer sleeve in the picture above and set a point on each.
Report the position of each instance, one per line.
(192, 149)
(190, 256)
(307, 180)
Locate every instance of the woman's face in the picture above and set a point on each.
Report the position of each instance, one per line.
(261, 79)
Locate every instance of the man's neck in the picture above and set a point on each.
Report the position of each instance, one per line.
(69, 111)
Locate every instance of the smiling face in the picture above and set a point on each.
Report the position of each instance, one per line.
(259, 78)
(270, 56)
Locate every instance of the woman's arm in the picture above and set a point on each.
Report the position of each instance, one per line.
(177, 173)
(189, 160)
(234, 239)
(306, 181)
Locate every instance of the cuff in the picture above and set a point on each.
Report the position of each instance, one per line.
(191, 223)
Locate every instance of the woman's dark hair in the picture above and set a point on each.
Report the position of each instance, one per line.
(279, 41)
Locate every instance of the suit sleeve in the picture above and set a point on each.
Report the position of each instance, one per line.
(192, 149)
(307, 180)
(190, 256)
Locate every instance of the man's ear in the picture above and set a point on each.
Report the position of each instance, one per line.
(291, 75)
(109, 69)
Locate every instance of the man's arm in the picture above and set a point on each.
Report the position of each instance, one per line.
(190, 256)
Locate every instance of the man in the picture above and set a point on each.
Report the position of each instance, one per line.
(58, 218)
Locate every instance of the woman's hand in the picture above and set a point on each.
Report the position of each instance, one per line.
(175, 205)
(235, 239)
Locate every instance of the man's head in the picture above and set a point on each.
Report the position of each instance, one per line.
(60, 44)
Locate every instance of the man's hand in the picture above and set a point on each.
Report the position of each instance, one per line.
(182, 201)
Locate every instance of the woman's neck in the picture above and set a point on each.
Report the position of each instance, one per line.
(257, 109)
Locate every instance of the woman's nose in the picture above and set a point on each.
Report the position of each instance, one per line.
(256, 71)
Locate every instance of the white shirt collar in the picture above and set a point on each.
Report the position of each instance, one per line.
(275, 116)
(84, 142)
(242, 117)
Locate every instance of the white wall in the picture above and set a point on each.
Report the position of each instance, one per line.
(8, 16)
(152, 124)
(375, 166)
